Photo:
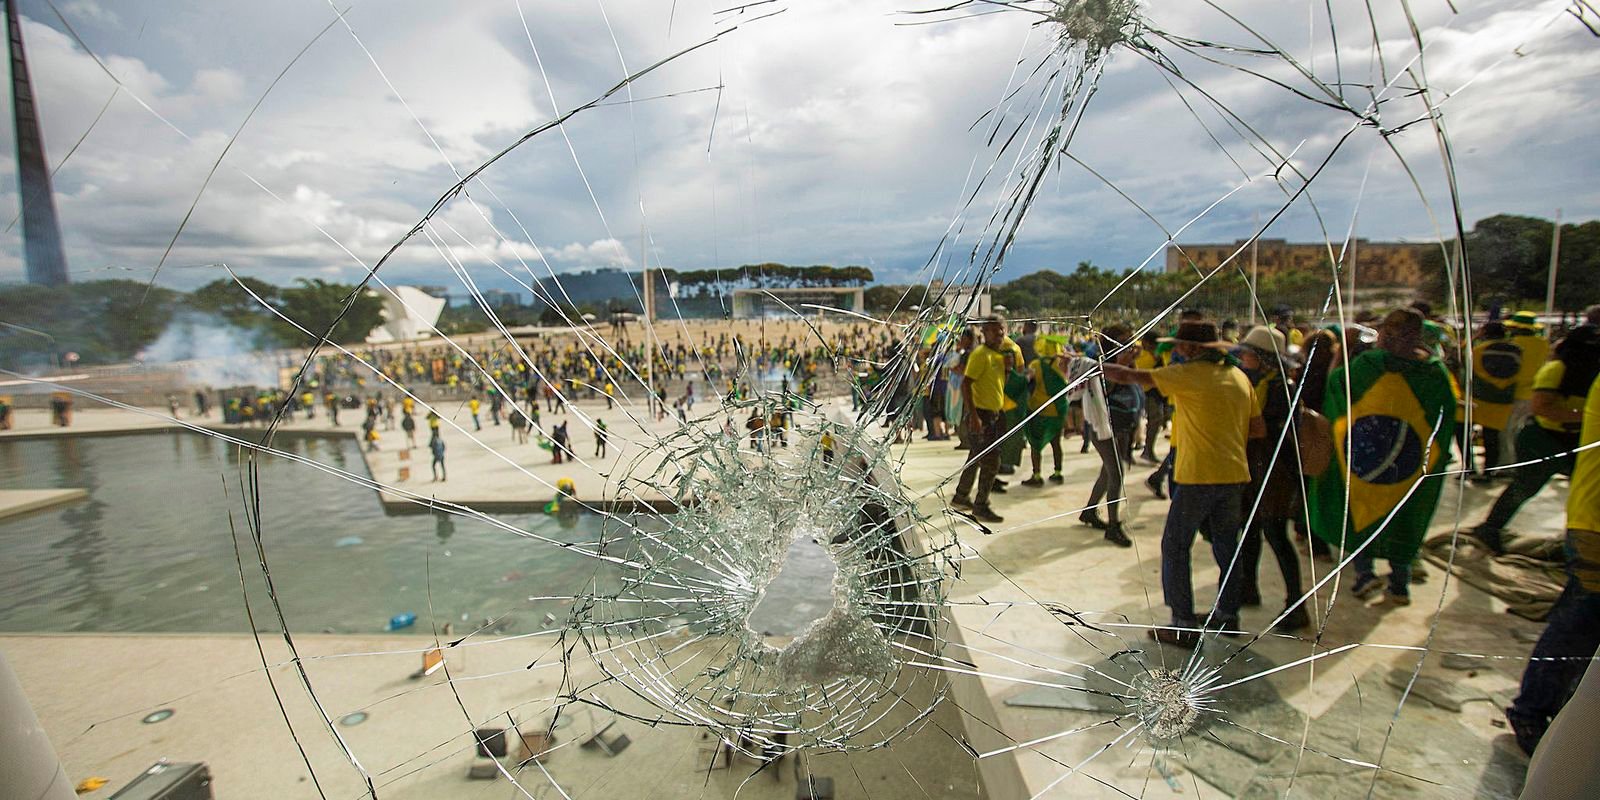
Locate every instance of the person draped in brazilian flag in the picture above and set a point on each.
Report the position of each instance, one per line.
(1393, 417)
(1545, 443)
(1016, 410)
(1047, 403)
(1496, 361)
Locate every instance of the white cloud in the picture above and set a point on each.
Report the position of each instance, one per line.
(841, 135)
(90, 11)
(598, 253)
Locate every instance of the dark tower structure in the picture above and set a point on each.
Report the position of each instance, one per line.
(41, 233)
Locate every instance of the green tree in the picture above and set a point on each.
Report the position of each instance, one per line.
(315, 304)
(228, 299)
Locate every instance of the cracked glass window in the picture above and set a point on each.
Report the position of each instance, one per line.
(643, 399)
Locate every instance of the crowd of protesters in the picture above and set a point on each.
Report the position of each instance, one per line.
(1343, 436)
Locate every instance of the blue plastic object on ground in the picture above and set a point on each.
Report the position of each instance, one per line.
(399, 621)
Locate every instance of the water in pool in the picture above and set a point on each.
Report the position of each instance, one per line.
(151, 550)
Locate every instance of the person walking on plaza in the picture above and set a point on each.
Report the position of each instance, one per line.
(1047, 407)
(1155, 406)
(1567, 646)
(472, 408)
(1111, 413)
(955, 403)
(436, 447)
(1496, 362)
(1546, 441)
(1392, 415)
(1274, 494)
(1523, 330)
(600, 438)
(983, 399)
(1214, 408)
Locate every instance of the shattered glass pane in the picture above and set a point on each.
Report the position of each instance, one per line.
(780, 592)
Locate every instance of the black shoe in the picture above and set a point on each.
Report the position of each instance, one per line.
(1115, 536)
(1187, 640)
(1092, 519)
(960, 501)
(1034, 481)
(1153, 483)
(1295, 620)
(1527, 731)
(997, 488)
(1490, 537)
(986, 514)
(1056, 478)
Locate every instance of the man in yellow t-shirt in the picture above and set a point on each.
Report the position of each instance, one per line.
(1546, 442)
(983, 399)
(1573, 632)
(1214, 405)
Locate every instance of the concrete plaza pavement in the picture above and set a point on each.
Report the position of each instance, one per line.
(1315, 723)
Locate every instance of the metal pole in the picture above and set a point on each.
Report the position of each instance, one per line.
(1255, 276)
(1555, 258)
(28, 764)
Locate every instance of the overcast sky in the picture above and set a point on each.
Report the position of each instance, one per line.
(840, 133)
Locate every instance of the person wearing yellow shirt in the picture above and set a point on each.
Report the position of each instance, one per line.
(983, 400)
(1546, 442)
(472, 408)
(1215, 410)
(1155, 406)
(1564, 650)
(1524, 331)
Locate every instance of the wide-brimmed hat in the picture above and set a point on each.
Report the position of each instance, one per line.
(1524, 319)
(1200, 333)
(1268, 340)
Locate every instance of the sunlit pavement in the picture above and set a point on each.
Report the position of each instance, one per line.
(1319, 725)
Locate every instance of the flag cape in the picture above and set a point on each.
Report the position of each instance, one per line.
(1045, 425)
(1495, 367)
(1393, 434)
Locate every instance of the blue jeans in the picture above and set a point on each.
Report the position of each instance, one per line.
(1216, 510)
(1565, 647)
(1399, 572)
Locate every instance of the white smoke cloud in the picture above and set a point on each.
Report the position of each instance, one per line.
(212, 352)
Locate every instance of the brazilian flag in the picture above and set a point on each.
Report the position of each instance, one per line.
(1043, 427)
(1392, 434)
(1495, 367)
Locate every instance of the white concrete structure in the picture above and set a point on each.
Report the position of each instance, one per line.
(408, 313)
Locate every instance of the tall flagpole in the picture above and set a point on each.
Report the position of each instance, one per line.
(1555, 259)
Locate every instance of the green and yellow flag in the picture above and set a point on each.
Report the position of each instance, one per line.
(1391, 437)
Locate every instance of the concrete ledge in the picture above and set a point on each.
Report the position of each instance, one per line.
(16, 502)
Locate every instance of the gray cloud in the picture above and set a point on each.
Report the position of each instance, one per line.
(840, 135)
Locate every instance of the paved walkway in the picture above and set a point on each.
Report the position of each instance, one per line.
(1340, 701)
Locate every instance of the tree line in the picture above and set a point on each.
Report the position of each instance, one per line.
(103, 322)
